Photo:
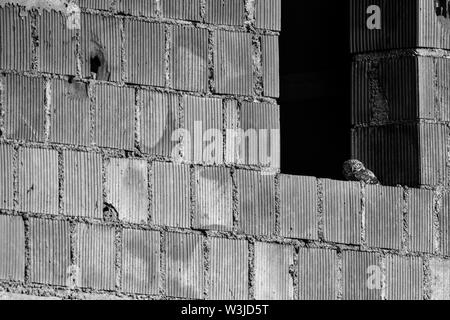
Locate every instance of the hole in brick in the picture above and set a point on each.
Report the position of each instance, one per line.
(99, 65)
(77, 89)
(442, 8)
(109, 212)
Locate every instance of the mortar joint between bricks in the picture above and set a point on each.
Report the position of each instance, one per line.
(339, 274)
(251, 269)
(163, 263)
(118, 258)
(28, 246)
(294, 271)
(206, 266)
(15, 169)
(258, 82)
(277, 186)
(427, 278)
(123, 52)
(35, 42)
(168, 31)
(2, 107)
(193, 195)
(250, 9)
(47, 109)
(382, 260)
(235, 200)
(150, 188)
(61, 182)
(437, 209)
(92, 94)
(320, 210)
(363, 201)
(212, 56)
(137, 119)
(405, 240)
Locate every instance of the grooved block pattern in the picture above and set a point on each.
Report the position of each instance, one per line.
(384, 216)
(229, 269)
(159, 121)
(181, 9)
(256, 202)
(12, 248)
(184, 270)
(298, 207)
(6, 177)
(140, 261)
(421, 206)
(145, 51)
(189, 59)
(317, 274)
(24, 101)
(204, 122)
(97, 256)
(101, 47)
(70, 113)
(214, 199)
(268, 14)
(234, 63)
(115, 117)
(57, 44)
(15, 39)
(171, 195)
(271, 65)
(50, 251)
(146, 8)
(342, 212)
(127, 185)
(38, 181)
(82, 184)
(260, 143)
(229, 12)
(404, 278)
(273, 280)
(361, 276)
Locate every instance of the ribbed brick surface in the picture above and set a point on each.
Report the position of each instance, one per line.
(298, 207)
(384, 217)
(181, 9)
(342, 211)
(268, 14)
(38, 180)
(15, 40)
(189, 64)
(360, 269)
(233, 63)
(171, 197)
(146, 8)
(158, 123)
(317, 274)
(82, 185)
(6, 176)
(404, 278)
(421, 207)
(70, 113)
(229, 269)
(24, 101)
(127, 189)
(96, 256)
(101, 45)
(145, 48)
(214, 199)
(141, 261)
(184, 266)
(271, 66)
(256, 202)
(272, 277)
(50, 251)
(57, 44)
(204, 122)
(230, 12)
(12, 248)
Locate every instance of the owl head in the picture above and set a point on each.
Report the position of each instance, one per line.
(353, 166)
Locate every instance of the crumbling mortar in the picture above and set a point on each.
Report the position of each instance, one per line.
(257, 66)
(15, 173)
(320, 210)
(123, 52)
(235, 201)
(212, 40)
(162, 263)
(35, 43)
(438, 198)
(118, 257)
(294, 272)
(193, 196)
(206, 250)
(363, 216)
(168, 54)
(251, 269)
(427, 279)
(150, 220)
(2, 107)
(137, 119)
(339, 274)
(92, 94)
(47, 109)
(28, 244)
(277, 218)
(406, 237)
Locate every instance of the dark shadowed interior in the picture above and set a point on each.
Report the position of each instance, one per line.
(315, 88)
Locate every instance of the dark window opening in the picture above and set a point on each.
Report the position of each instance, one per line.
(315, 88)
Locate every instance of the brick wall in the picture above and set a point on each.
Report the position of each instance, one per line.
(87, 118)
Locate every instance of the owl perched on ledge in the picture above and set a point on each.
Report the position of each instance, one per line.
(354, 170)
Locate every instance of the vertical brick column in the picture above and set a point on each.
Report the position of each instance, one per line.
(400, 89)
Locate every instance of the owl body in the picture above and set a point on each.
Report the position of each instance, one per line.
(354, 170)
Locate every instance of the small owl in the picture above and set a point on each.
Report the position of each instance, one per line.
(109, 212)
(355, 170)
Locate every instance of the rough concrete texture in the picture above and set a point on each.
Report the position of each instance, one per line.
(122, 218)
